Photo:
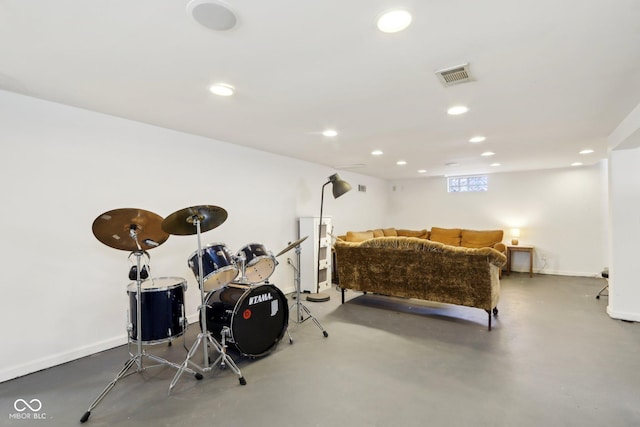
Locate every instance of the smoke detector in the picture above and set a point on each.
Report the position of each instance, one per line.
(212, 14)
(454, 75)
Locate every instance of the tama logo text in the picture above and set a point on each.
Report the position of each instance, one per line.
(260, 298)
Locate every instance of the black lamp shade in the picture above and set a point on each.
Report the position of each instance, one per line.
(339, 186)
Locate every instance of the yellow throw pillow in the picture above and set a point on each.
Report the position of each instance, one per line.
(378, 232)
(481, 239)
(390, 232)
(421, 234)
(359, 236)
(447, 236)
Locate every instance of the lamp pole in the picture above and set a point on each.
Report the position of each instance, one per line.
(320, 239)
(339, 188)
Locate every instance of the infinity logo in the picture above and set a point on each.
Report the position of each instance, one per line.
(21, 405)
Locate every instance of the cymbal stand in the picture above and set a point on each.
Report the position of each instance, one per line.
(134, 359)
(298, 304)
(205, 338)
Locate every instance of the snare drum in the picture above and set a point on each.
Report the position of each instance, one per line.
(162, 308)
(218, 265)
(257, 317)
(259, 264)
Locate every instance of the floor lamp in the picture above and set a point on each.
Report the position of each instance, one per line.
(339, 188)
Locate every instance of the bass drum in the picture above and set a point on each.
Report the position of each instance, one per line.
(257, 317)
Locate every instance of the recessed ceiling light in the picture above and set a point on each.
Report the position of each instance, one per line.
(422, 171)
(401, 162)
(586, 151)
(376, 153)
(576, 164)
(222, 89)
(330, 133)
(457, 110)
(493, 165)
(478, 139)
(394, 21)
(488, 154)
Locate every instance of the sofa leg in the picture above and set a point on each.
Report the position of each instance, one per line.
(489, 313)
(495, 313)
(342, 290)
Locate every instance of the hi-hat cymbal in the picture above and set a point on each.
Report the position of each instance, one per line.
(118, 227)
(291, 246)
(183, 222)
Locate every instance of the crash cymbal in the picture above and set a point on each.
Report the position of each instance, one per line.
(182, 222)
(292, 245)
(118, 227)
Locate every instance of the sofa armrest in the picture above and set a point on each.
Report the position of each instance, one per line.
(500, 247)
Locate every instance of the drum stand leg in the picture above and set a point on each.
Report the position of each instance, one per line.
(137, 357)
(224, 358)
(205, 338)
(298, 304)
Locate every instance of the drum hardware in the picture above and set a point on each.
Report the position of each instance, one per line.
(144, 274)
(296, 279)
(189, 221)
(241, 259)
(114, 229)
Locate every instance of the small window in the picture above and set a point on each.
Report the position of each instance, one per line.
(460, 184)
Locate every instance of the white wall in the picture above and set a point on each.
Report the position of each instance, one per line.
(624, 288)
(64, 292)
(562, 212)
(624, 203)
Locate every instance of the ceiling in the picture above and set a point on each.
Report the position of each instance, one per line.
(550, 78)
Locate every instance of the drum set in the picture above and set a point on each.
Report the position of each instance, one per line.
(238, 306)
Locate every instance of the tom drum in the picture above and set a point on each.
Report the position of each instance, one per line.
(259, 265)
(218, 265)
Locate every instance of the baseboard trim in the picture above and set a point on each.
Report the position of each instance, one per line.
(621, 315)
(50, 361)
(560, 273)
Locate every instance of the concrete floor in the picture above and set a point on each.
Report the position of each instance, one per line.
(553, 358)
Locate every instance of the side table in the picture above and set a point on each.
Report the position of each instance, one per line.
(511, 249)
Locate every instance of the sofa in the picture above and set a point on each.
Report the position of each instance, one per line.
(416, 267)
(448, 236)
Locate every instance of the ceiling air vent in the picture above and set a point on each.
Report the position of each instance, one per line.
(454, 75)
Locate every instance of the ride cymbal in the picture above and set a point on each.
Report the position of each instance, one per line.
(183, 222)
(119, 229)
(291, 246)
